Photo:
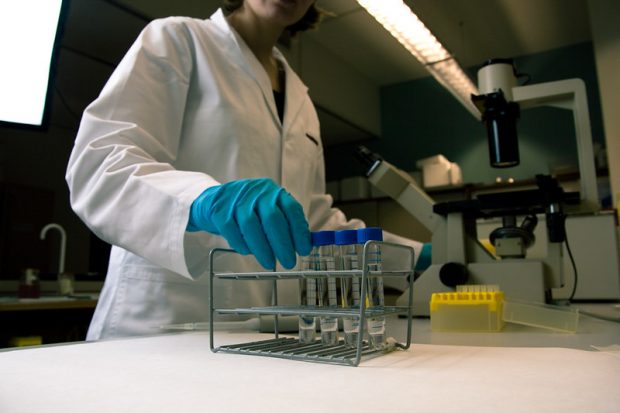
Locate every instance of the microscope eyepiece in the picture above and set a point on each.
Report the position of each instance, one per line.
(369, 159)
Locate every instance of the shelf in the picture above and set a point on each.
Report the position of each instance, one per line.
(467, 191)
(52, 303)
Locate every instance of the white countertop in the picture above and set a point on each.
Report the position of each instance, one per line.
(445, 372)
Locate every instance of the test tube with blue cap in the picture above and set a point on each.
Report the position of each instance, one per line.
(346, 240)
(307, 297)
(375, 294)
(323, 251)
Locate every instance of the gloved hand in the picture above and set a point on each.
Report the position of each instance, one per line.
(255, 216)
(424, 259)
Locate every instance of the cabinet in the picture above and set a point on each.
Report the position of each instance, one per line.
(24, 211)
(55, 321)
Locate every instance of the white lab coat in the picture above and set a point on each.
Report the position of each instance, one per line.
(188, 107)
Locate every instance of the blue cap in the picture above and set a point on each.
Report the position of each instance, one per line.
(369, 234)
(322, 238)
(346, 237)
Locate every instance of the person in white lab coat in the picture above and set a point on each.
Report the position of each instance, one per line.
(203, 137)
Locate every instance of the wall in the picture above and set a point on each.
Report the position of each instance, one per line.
(606, 37)
(432, 122)
(358, 99)
(420, 119)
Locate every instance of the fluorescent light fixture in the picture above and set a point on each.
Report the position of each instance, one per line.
(28, 37)
(397, 18)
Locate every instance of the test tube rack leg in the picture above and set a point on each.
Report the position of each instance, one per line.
(287, 347)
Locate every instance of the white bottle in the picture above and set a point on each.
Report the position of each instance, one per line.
(346, 240)
(375, 294)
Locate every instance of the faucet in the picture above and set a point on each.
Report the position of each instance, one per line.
(63, 244)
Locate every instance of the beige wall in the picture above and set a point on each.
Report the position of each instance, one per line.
(339, 87)
(604, 18)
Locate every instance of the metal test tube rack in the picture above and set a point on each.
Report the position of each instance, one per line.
(289, 347)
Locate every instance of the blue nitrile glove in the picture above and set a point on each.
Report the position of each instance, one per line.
(424, 260)
(255, 216)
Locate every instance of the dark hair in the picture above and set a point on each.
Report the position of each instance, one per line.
(310, 20)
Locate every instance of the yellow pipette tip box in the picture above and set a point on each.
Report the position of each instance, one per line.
(470, 308)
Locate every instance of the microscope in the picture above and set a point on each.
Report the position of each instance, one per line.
(458, 256)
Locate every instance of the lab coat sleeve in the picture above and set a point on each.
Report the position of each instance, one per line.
(399, 259)
(119, 174)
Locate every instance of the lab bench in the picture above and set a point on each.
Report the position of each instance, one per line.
(519, 369)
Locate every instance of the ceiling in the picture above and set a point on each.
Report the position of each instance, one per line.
(473, 30)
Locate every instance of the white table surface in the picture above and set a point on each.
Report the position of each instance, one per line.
(445, 372)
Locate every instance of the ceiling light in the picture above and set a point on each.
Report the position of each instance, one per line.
(397, 18)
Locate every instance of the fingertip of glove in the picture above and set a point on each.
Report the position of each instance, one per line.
(268, 263)
(288, 264)
(304, 249)
(242, 251)
(425, 257)
(303, 243)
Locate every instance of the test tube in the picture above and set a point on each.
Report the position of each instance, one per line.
(346, 240)
(323, 242)
(307, 298)
(375, 295)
